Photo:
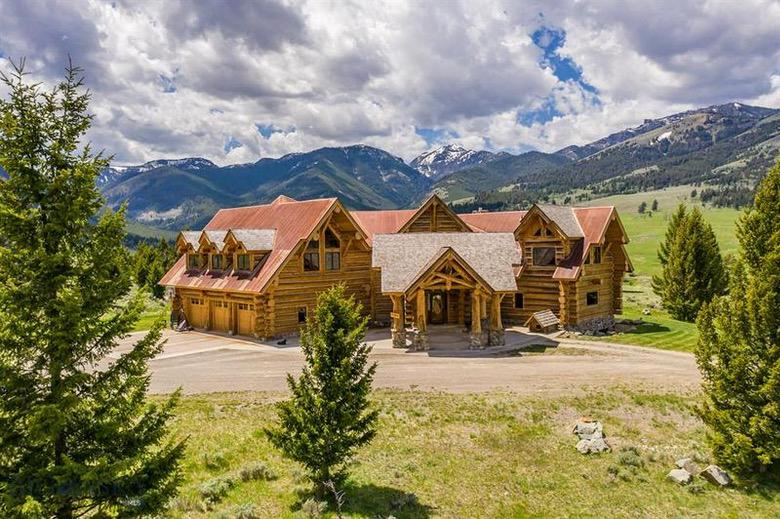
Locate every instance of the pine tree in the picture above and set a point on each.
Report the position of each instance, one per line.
(654, 207)
(663, 250)
(329, 415)
(739, 346)
(693, 273)
(77, 435)
(642, 208)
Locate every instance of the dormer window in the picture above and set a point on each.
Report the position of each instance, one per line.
(596, 250)
(217, 261)
(193, 261)
(242, 261)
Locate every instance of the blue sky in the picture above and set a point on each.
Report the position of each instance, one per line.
(255, 78)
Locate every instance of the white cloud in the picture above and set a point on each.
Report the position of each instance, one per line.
(342, 72)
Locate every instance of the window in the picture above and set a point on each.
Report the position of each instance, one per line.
(245, 306)
(193, 261)
(331, 241)
(332, 260)
(544, 256)
(302, 314)
(220, 304)
(196, 301)
(242, 262)
(217, 261)
(519, 301)
(596, 255)
(311, 261)
(592, 298)
(311, 258)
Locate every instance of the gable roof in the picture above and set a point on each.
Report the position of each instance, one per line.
(432, 201)
(563, 217)
(293, 222)
(404, 257)
(255, 239)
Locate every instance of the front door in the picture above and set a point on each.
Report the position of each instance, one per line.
(437, 310)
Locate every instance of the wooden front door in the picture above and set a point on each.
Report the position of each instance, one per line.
(437, 307)
(221, 316)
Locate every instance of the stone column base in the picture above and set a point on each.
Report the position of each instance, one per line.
(421, 341)
(476, 341)
(496, 337)
(399, 338)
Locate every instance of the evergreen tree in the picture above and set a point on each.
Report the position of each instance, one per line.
(642, 207)
(739, 346)
(654, 207)
(76, 433)
(663, 249)
(693, 273)
(329, 415)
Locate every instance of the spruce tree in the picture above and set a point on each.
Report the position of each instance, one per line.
(329, 415)
(77, 436)
(739, 345)
(693, 271)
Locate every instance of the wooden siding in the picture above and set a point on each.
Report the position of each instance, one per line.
(595, 278)
(435, 219)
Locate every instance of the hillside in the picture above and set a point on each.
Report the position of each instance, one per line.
(173, 197)
(724, 148)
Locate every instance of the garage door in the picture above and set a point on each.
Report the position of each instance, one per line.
(246, 318)
(197, 312)
(221, 316)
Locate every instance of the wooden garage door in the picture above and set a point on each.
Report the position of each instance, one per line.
(221, 316)
(246, 318)
(198, 312)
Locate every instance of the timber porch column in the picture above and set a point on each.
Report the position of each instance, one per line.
(475, 340)
(421, 320)
(496, 333)
(398, 331)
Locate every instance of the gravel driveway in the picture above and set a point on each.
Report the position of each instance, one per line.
(205, 363)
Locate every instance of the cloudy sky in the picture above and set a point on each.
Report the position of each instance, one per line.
(235, 80)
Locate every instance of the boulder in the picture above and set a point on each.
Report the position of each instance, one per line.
(646, 311)
(588, 430)
(716, 476)
(680, 476)
(689, 465)
(595, 446)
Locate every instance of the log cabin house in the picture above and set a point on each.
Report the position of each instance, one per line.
(256, 271)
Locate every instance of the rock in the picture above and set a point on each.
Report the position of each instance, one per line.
(595, 446)
(588, 430)
(646, 311)
(689, 465)
(716, 476)
(680, 476)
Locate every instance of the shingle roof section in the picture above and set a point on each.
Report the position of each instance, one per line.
(217, 238)
(255, 239)
(565, 218)
(403, 257)
(191, 238)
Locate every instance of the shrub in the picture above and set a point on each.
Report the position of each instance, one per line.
(256, 471)
(630, 457)
(313, 509)
(216, 460)
(244, 511)
(215, 489)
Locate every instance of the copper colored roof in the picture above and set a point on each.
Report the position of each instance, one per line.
(501, 221)
(293, 221)
(382, 222)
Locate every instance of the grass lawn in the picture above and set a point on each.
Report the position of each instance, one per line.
(456, 455)
(155, 309)
(646, 231)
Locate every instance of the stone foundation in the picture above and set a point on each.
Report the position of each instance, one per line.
(476, 341)
(420, 342)
(496, 337)
(597, 324)
(399, 338)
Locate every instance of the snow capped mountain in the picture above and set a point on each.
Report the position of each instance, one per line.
(448, 159)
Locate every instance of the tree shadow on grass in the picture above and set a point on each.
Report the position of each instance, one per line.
(649, 327)
(370, 500)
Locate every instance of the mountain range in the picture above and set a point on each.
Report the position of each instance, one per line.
(725, 147)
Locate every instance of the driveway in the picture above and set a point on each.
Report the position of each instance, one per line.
(204, 363)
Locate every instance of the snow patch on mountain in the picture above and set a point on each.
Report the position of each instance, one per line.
(448, 159)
